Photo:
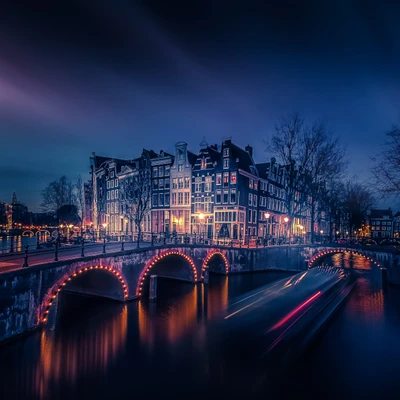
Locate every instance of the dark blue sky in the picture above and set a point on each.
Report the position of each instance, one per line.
(114, 77)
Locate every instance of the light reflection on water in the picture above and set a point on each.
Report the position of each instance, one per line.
(101, 349)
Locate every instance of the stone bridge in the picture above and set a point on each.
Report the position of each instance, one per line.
(29, 296)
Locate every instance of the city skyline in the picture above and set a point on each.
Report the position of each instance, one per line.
(78, 79)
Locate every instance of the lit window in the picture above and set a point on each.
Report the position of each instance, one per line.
(226, 179)
(233, 178)
(250, 183)
(218, 179)
(203, 163)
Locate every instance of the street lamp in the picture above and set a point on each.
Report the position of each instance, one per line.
(266, 215)
(301, 227)
(286, 220)
(201, 217)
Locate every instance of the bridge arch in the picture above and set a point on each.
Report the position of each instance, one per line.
(326, 252)
(28, 233)
(62, 283)
(212, 254)
(156, 259)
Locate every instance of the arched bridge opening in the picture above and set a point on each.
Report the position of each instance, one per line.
(344, 258)
(98, 280)
(216, 262)
(168, 265)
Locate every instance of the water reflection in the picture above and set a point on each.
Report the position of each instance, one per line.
(348, 260)
(66, 355)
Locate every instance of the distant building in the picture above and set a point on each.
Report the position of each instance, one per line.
(181, 188)
(203, 191)
(381, 222)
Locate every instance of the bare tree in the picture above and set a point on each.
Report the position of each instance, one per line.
(357, 201)
(287, 143)
(141, 192)
(325, 161)
(57, 194)
(80, 200)
(386, 168)
(310, 156)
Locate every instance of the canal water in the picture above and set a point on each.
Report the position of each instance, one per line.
(100, 349)
(20, 241)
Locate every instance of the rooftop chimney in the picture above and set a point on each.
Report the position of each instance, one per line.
(249, 149)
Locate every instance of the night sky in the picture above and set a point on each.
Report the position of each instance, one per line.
(116, 76)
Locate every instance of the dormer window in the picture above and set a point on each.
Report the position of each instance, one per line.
(180, 155)
(226, 152)
(203, 163)
(226, 162)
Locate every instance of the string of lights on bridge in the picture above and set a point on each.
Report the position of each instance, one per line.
(335, 251)
(62, 285)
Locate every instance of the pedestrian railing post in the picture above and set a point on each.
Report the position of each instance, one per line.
(56, 253)
(83, 248)
(25, 264)
(122, 246)
(104, 246)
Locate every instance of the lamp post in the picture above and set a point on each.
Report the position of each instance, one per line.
(286, 220)
(105, 226)
(266, 235)
(201, 218)
(301, 227)
(321, 232)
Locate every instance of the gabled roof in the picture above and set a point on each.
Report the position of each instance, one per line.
(375, 213)
(191, 158)
(245, 161)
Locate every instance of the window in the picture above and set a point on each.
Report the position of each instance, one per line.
(250, 199)
(255, 185)
(180, 183)
(180, 198)
(108, 208)
(116, 194)
(155, 172)
(112, 174)
(233, 195)
(203, 163)
(255, 200)
(155, 200)
(226, 152)
(207, 204)
(167, 169)
(254, 217)
(226, 179)
(186, 197)
(226, 162)
(233, 178)
(166, 183)
(175, 183)
(180, 167)
(180, 155)
(112, 184)
(108, 195)
(197, 185)
(112, 208)
(250, 183)
(155, 184)
(249, 213)
(161, 201)
(116, 183)
(161, 183)
(166, 199)
(112, 194)
(187, 182)
(225, 196)
(160, 171)
(174, 198)
(218, 197)
(108, 184)
(208, 184)
(218, 180)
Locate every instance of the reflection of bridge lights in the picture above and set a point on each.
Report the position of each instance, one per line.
(154, 261)
(56, 291)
